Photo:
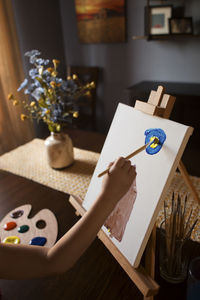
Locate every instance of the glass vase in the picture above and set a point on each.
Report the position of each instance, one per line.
(173, 259)
(59, 150)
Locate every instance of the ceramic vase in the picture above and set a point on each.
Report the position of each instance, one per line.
(59, 150)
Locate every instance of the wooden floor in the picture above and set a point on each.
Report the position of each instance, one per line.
(96, 275)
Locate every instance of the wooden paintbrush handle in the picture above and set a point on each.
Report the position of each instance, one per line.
(129, 156)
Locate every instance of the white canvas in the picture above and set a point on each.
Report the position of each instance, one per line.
(154, 172)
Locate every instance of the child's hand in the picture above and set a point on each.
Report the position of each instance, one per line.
(119, 179)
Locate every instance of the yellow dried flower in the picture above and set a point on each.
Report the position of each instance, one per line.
(55, 61)
(32, 103)
(50, 69)
(15, 102)
(88, 93)
(75, 114)
(74, 76)
(54, 73)
(47, 111)
(23, 117)
(53, 84)
(50, 91)
(10, 96)
(92, 84)
(58, 127)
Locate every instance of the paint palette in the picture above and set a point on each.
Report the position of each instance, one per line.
(17, 228)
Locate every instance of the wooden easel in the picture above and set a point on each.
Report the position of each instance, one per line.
(159, 104)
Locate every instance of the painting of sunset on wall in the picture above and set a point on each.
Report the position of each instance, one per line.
(101, 21)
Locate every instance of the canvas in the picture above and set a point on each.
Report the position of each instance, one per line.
(130, 224)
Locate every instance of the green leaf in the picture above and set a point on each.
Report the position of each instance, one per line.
(58, 127)
(51, 128)
(43, 84)
(42, 103)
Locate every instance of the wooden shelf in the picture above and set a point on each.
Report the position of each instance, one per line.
(165, 37)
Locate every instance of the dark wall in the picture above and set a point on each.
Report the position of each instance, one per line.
(112, 59)
(39, 27)
(125, 64)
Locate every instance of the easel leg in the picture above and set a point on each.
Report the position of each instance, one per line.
(148, 298)
(188, 182)
(150, 257)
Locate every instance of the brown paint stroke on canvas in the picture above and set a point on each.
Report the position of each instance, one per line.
(117, 220)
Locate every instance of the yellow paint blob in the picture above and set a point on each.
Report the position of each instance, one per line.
(156, 142)
(11, 240)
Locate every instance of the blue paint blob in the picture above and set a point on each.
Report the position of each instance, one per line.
(154, 132)
(38, 241)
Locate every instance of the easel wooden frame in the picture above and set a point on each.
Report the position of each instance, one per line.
(159, 104)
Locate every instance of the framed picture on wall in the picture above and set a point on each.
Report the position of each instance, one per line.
(181, 25)
(158, 19)
(101, 21)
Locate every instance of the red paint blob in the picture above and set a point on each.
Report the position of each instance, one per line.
(9, 226)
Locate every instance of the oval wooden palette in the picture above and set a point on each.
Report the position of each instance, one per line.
(43, 224)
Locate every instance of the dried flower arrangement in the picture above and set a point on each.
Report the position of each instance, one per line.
(53, 98)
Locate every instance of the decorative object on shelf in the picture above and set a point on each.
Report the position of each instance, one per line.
(101, 21)
(181, 25)
(177, 11)
(175, 231)
(59, 149)
(156, 19)
(54, 99)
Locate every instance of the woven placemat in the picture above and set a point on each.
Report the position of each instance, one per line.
(30, 161)
(178, 186)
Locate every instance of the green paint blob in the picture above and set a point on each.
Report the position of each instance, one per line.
(23, 228)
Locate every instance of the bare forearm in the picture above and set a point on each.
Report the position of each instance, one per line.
(23, 261)
(72, 245)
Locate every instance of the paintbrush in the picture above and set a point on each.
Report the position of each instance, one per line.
(155, 140)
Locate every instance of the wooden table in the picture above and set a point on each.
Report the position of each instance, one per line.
(96, 275)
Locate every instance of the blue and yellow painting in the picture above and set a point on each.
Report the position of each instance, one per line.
(158, 136)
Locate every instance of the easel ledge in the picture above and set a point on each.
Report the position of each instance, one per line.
(159, 104)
